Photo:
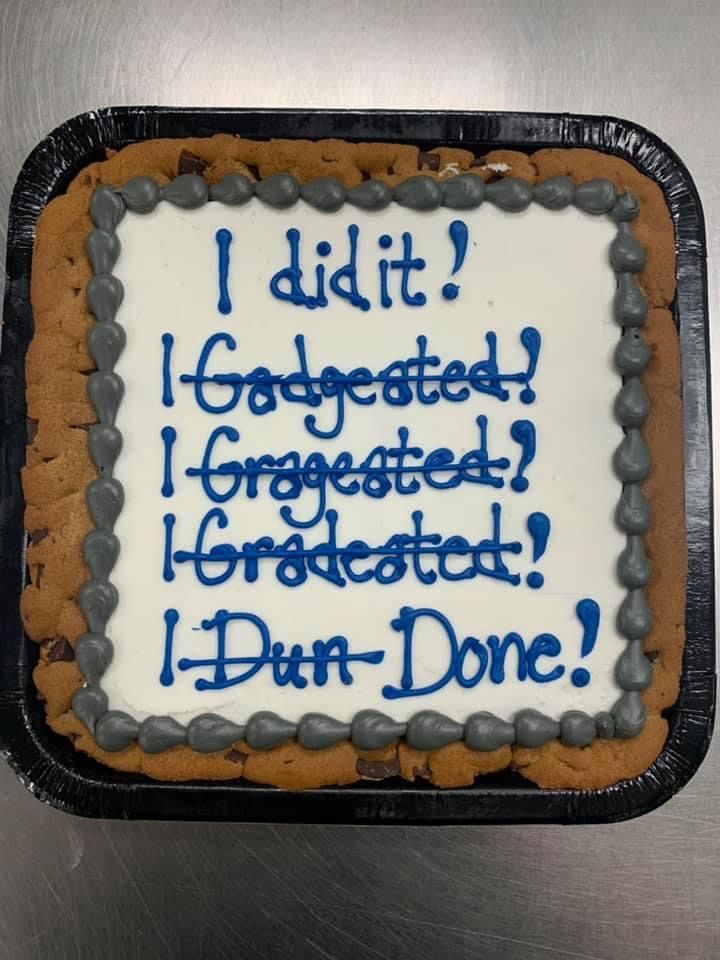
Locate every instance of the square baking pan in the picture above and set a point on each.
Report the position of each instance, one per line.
(47, 763)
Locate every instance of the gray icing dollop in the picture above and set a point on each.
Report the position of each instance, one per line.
(510, 194)
(484, 731)
(464, 192)
(596, 196)
(633, 511)
(633, 670)
(103, 249)
(533, 729)
(115, 730)
(626, 208)
(370, 729)
(107, 207)
(104, 294)
(629, 713)
(105, 391)
(555, 193)
(100, 551)
(429, 730)
(160, 733)
(605, 725)
(632, 458)
(326, 194)
(281, 190)
(265, 730)
(89, 703)
(316, 731)
(577, 729)
(93, 653)
(209, 732)
(626, 254)
(634, 618)
(106, 341)
(105, 499)
(105, 444)
(233, 190)
(632, 354)
(370, 195)
(630, 304)
(632, 404)
(141, 194)
(419, 193)
(97, 599)
(187, 191)
(633, 564)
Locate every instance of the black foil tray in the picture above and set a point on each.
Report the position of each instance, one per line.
(49, 766)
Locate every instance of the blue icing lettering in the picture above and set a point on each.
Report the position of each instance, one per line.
(459, 236)
(405, 265)
(348, 273)
(287, 668)
(383, 470)
(489, 657)
(235, 659)
(295, 559)
(168, 436)
(223, 239)
(167, 341)
(291, 276)
(286, 284)
(399, 383)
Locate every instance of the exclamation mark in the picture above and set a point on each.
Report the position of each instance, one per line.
(538, 525)
(588, 613)
(523, 433)
(459, 235)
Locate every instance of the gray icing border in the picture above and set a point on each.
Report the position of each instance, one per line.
(369, 729)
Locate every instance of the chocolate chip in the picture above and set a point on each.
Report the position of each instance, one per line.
(378, 769)
(428, 161)
(38, 535)
(31, 427)
(652, 655)
(61, 650)
(235, 756)
(190, 163)
(423, 771)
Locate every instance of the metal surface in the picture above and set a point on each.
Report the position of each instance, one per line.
(648, 888)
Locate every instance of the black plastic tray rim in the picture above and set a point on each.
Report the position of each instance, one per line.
(48, 765)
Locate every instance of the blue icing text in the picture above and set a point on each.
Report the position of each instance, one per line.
(287, 284)
(383, 470)
(287, 666)
(400, 383)
(338, 563)
(241, 654)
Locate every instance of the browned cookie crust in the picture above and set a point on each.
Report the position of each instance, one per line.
(59, 467)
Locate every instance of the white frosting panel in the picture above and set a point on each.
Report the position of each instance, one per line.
(538, 268)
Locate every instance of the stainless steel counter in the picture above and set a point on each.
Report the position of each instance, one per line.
(646, 889)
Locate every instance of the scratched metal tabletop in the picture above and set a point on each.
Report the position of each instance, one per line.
(647, 889)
